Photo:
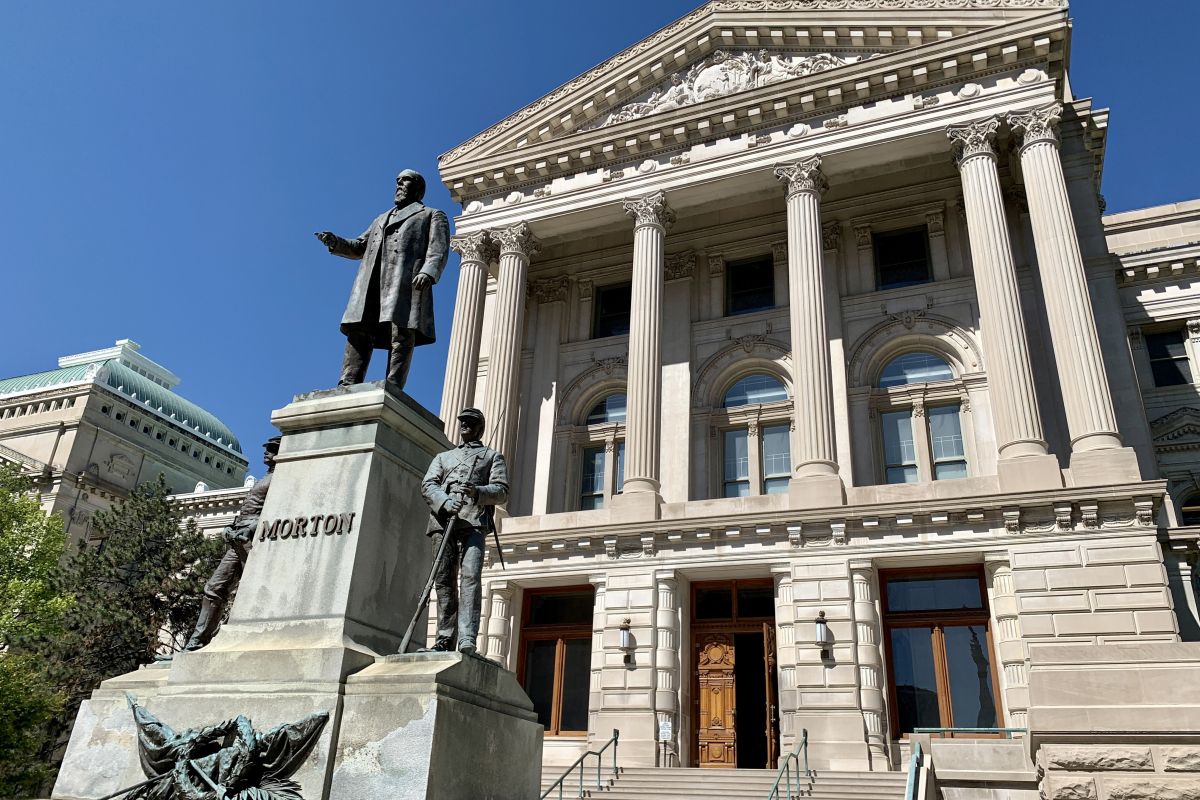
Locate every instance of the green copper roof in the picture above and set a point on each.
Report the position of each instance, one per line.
(135, 388)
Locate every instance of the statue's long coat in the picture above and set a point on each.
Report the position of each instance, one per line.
(416, 239)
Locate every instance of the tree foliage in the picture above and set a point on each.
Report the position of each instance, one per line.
(32, 606)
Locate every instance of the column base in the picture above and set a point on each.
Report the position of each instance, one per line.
(1104, 467)
(1029, 473)
(816, 491)
(635, 507)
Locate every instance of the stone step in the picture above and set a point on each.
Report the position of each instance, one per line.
(650, 783)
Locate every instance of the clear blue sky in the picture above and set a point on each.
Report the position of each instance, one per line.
(163, 166)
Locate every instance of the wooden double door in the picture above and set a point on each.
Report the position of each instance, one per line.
(736, 709)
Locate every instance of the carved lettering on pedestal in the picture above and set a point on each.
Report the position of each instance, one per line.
(300, 527)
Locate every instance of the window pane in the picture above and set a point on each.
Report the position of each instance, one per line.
(913, 674)
(755, 389)
(1171, 372)
(950, 470)
(591, 489)
(1168, 344)
(561, 608)
(914, 368)
(901, 258)
(1168, 358)
(620, 466)
(714, 603)
(970, 665)
(1190, 510)
(612, 311)
(610, 409)
(737, 456)
(576, 678)
(899, 450)
(946, 443)
(756, 601)
(775, 486)
(933, 594)
(539, 678)
(776, 452)
(749, 285)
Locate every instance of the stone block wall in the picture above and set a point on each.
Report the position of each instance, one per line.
(1120, 771)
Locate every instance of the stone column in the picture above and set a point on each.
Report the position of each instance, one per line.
(785, 653)
(666, 658)
(517, 246)
(499, 625)
(870, 661)
(1009, 646)
(652, 216)
(1077, 354)
(815, 480)
(1024, 460)
(462, 361)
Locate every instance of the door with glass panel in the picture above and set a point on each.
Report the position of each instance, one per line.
(939, 651)
(556, 655)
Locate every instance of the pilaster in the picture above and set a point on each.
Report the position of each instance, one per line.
(666, 655)
(499, 626)
(1010, 649)
(870, 660)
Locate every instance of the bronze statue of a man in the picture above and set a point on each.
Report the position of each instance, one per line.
(391, 305)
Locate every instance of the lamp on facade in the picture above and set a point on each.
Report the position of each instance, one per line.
(627, 645)
(823, 638)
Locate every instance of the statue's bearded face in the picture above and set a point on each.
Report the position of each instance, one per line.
(407, 189)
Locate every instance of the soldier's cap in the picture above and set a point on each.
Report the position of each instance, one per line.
(472, 414)
(272, 444)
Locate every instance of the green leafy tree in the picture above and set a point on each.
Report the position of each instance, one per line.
(31, 607)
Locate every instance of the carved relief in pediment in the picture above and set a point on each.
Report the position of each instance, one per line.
(119, 466)
(1179, 430)
(721, 74)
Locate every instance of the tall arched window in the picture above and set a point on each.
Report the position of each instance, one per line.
(754, 431)
(920, 426)
(602, 452)
(1189, 510)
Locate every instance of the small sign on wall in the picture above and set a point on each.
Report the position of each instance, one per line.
(665, 731)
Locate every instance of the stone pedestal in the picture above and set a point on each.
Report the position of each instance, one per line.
(338, 564)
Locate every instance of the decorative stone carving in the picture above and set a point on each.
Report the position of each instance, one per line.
(647, 166)
(796, 536)
(750, 341)
(779, 252)
(513, 198)
(477, 246)
(650, 210)
(803, 176)
(831, 235)
(920, 101)
(1193, 328)
(1029, 76)
(1143, 509)
(1090, 513)
(518, 240)
(908, 318)
(716, 265)
(679, 160)
(936, 223)
(838, 529)
(1037, 125)
(609, 365)
(833, 123)
(1012, 520)
(862, 236)
(721, 74)
(680, 265)
(974, 139)
(550, 290)
(1062, 516)
(544, 191)
(1135, 339)
(798, 130)
(970, 90)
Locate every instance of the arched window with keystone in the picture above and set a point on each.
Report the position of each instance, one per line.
(919, 403)
(753, 428)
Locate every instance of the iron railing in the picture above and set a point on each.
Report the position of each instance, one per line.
(579, 762)
(798, 754)
(914, 773)
(943, 733)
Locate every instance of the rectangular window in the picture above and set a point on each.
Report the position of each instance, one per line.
(737, 463)
(946, 443)
(899, 450)
(620, 468)
(901, 258)
(591, 490)
(556, 657)
(776, 459)
(612, 311)
(749, 285)
(1168, 358)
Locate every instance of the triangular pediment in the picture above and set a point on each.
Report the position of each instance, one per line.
(1179, 430)
(726, 48)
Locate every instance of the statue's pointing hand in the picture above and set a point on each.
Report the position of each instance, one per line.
(327, 238)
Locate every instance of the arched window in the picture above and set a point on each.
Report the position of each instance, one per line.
(920, 426)
(610, 409)
(755, 444)
(1189, 510)
(602, 452)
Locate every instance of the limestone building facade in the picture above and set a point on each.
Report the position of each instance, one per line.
(104, 421)
(806, 310)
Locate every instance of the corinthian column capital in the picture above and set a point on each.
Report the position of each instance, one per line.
(1038, 124)
(477, 246)
(517, 240)
(650, 210)
(803, 176)
(973, 139)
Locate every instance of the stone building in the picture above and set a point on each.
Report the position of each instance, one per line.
(811, 352)
(105, 421)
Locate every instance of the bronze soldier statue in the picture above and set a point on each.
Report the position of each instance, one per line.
(239, 538)
(467, 482)
(391, 306)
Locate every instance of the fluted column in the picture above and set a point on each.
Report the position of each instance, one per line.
(517, 245)
(1089, 407)
(1010, 647)
(870, 661)
(1018, 425)
(652, 216)
(498, 623)
(815, 459)
(666, 655)
(462, 361)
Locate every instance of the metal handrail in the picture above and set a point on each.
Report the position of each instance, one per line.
(941, 732)
(785, 772)
(914, 772)
(599, 754)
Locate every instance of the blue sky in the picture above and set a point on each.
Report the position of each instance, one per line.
(163, 166)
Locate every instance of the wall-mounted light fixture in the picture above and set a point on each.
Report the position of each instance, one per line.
(627, 645)
(823, 638)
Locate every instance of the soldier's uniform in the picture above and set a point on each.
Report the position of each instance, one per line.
(473, 463)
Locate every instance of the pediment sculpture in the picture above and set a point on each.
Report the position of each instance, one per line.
(725, 73)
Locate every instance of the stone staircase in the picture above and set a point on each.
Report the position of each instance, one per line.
(649, 783)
